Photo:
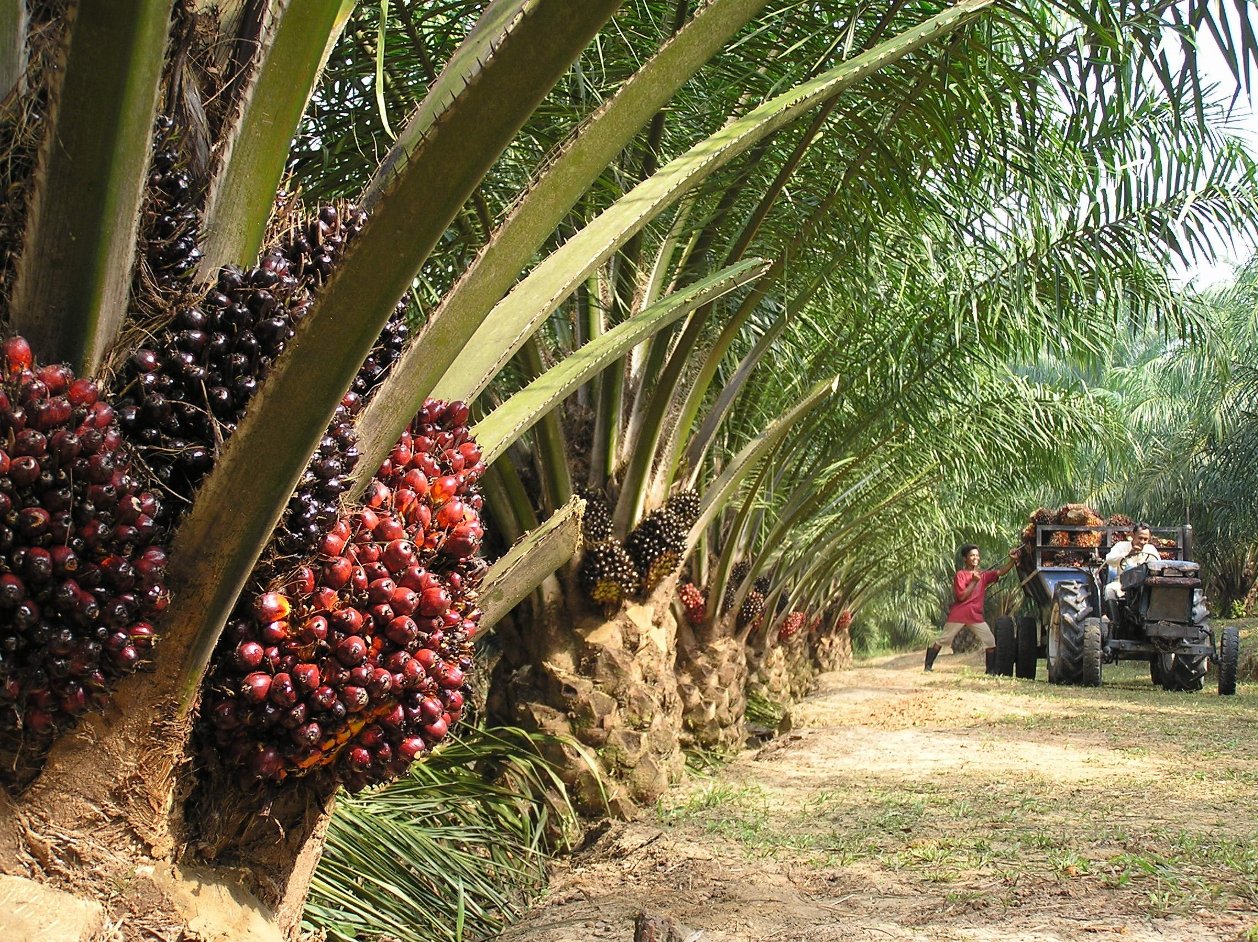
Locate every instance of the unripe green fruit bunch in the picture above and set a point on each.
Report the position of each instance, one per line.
(356, 663)
(82, 570)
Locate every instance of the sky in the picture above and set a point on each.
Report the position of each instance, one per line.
(1245, 125)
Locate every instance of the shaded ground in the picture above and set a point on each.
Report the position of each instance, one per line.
(951, 806)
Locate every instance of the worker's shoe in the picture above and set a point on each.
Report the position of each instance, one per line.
(991, 661)
(931, 653)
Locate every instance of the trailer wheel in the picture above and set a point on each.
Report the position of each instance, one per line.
(1185, 675)
(1229, 657)
(1028, 647)
(1005, 650)
(1074, 639)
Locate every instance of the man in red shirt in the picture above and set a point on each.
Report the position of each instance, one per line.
(969, 591)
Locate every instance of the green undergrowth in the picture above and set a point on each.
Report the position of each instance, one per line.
(1128, 791)
(452, 851)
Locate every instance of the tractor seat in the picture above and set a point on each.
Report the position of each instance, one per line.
(1166, 568)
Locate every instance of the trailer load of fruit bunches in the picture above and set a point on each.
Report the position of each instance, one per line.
(1077, 546)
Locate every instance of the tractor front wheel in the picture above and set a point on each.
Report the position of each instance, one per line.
(1229, 657)
(1074, 638)
(1185, 674)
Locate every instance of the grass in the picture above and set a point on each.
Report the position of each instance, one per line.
(1160, 809)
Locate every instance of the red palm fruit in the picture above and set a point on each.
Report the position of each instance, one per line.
(398, 555)
(414, 578)
(410, 747)
(271, 606)
(294, 716)
(354, 698)
(402, 631)
(274, 632)
(403, 601)
(389, 528)
(283, 693)
(380, 683)
(324, 600)
(415, 481)
(24, 471)
(412, 674)
(453, 700)
(366, 520)
(347, 621)
(464, 540)
(266, 763)
(359, 758)
(248, 655)
(142, 634)
(430, 708)
(380, 590)
(301, 582)
(308, 735)
(371, 736)
(82, 392)
(444, 489)
(368, 553)
(359, 580)
(450, 514)
(434, 602)
(332, 545)
(351, 651)
(323, 697)
(16, 354)
(377, 495)
(437, 729)
(12, 590)
(450, 678)
(306, 676)
(314, 629)
(394, 719)
(256, 687)
(337, 572)
(426, 658)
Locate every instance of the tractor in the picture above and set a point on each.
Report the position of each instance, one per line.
(1161, 617)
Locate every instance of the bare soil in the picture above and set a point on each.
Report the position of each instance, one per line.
(947, 806)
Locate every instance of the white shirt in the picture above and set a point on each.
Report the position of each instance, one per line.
(1122, 558)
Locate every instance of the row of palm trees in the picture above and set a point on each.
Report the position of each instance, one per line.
(775, 251)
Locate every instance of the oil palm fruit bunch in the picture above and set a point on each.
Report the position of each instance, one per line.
(608, 574)
(685, 507)
(596, 524)
(751, 612)
(844, 622)
(791, 626)
(736, 576)
(657, 546)
(81, 569)
(356, 662)
(693, 603)
(170, 227)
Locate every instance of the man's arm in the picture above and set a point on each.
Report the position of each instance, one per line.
(1118, 552)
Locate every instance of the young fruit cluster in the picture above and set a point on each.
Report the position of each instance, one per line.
(356, 663)
(844, 622)
(751, 613)
(693, 603)
(657, 544)
(791, 626)
(736, 576)
(607, 573)
(81, 573)
(596, 524)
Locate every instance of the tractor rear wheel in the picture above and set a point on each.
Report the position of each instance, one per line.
(1185, 674)
(1028, 647)
(1074, 638)
(1229, 657)
(1005, 650)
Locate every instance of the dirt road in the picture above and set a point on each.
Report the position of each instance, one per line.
(946, 806)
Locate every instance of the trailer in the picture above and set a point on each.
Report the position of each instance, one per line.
(1161, 618)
